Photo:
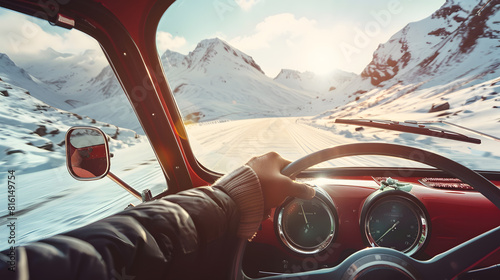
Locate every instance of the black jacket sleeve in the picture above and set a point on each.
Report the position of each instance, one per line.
(155, 240)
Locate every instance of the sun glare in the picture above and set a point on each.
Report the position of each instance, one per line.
(321, 60)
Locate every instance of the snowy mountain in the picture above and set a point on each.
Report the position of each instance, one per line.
(447, 59)
(236, 87)
(444, 66)
(102, 98)
(73, 82)
(436, 44)
(68, 73)
(311, 82)
(32, 132)
(17, 76)
(209, 54)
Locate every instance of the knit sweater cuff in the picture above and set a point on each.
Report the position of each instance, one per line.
(244, 188)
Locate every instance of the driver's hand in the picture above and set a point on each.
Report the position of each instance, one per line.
(275, 186)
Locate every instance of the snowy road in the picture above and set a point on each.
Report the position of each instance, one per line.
(226, 145)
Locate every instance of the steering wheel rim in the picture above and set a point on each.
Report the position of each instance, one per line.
(443, 266)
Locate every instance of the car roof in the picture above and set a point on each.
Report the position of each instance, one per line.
(132, 14)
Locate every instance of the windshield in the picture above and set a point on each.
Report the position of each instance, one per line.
(259, 76)
(52, 79)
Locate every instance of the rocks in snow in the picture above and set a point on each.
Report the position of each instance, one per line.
(439, 107)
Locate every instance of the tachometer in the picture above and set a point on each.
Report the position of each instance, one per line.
(306, 226)
(394, 219)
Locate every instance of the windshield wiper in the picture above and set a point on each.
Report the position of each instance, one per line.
(464, 128)
(411, 127)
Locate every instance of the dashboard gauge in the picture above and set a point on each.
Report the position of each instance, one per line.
(306, 226)
(394, 219)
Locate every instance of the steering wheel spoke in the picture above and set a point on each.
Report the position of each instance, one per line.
(319, 274)
(462, 257)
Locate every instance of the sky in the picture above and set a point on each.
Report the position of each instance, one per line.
(314, 35)
(24, 39)
(278, 34)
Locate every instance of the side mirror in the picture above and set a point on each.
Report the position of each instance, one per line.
(87, 153)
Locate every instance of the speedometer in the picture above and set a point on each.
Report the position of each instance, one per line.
(394, 219)
(306, 226)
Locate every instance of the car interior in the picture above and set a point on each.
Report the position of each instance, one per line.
(403, 155)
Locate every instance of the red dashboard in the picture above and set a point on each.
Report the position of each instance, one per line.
(452, 214)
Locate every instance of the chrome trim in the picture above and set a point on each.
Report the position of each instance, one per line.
(326, 203)
(68, 156)
(423, 224)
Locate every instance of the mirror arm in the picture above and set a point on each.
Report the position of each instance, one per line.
(124, 185)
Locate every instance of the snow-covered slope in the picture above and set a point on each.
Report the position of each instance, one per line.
(32, 132)
(103, 98)
(451, 58)
(105, 83)
(218, 81)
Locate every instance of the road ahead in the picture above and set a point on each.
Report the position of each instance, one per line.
(227, 145)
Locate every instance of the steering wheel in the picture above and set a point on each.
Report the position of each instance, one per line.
(375, 263)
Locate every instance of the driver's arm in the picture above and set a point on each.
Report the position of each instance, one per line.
(164, 237)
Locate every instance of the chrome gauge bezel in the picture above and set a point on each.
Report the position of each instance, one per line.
(327, 204)
(416, 207)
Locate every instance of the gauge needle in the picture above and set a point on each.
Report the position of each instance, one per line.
(304, 213)
(385, 233)
(305, 219)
